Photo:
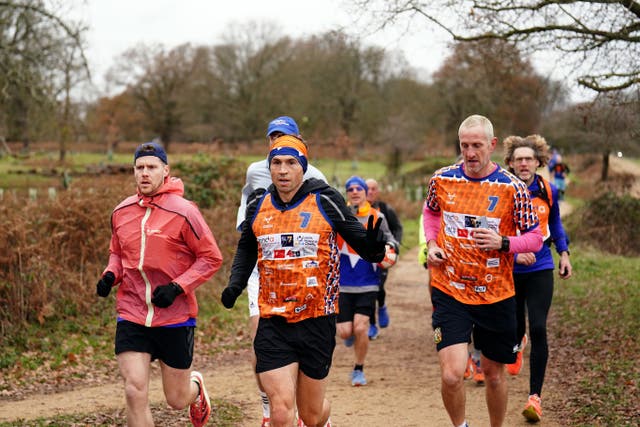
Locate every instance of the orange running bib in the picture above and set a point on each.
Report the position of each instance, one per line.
(298, 260)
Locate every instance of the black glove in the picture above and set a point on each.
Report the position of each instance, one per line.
(229, 295)
(375, 239)
(105, 283)
(163, 296)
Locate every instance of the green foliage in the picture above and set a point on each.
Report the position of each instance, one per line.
(608, 223)
(410, 228)
(425, 169)
(597, 322)
(210, 181)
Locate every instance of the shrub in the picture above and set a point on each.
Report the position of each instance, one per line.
(52, 251)
(609, 223)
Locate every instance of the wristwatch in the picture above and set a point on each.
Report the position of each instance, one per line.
(505, 244)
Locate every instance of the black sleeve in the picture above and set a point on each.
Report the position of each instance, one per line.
(347, 225)
(246, 254)
(394, 223)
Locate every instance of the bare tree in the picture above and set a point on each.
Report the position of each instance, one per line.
(610, 123)
(598, 39)
(155, 77)
(41, 58)
(250, 66)
(491, 77)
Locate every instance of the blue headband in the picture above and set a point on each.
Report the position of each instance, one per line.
(288, 145)
(358, 181)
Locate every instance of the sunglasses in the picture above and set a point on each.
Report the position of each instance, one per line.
(354, 188)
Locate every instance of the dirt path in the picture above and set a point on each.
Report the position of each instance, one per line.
(402, 370)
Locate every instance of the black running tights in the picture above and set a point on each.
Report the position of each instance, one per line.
(535, 291)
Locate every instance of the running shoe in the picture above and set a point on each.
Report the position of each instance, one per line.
(516, 367)
(478, 375)
(266, 422)
(357, 378)
(471, 368)
(349, 341)
(383, 316)
(373, 332)
(200, 409)
(533, 409)
(300, 422)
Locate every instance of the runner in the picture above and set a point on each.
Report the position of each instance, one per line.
(360, 280)
(395, 226)
(472, 216)
(258, 176)
(161, 251)
(291, 230)
(533, 272)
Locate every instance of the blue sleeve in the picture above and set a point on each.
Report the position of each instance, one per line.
(555, 224)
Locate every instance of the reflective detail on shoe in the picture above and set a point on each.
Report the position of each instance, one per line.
(357, 378)
(516, 367)
(373, 332)
(383, 316)
(349, 341)
(533, 409)
(470, 369)
(200, 409)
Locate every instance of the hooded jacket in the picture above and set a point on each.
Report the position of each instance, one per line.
(157, 240)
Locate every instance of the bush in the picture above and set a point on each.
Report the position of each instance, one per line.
(609, 223)
(52, 251)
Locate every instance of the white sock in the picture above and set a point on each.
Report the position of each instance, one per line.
(266, 412)
(464, 424)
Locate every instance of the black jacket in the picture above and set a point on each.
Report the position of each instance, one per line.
(395, 226)
(342, 220)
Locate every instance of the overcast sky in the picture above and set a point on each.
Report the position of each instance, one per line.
(116, 25)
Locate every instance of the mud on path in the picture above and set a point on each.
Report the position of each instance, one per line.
(402, 371)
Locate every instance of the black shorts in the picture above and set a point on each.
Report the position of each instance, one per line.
(493, 326)
(172, 345)
(309, 342)
(350, 304)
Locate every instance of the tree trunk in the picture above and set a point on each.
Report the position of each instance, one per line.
(605, 166)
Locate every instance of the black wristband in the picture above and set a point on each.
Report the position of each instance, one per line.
(506, 244)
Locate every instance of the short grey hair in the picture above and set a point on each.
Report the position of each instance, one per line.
(478, 120)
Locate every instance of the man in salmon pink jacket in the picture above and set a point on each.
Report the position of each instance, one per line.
(161, 251)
